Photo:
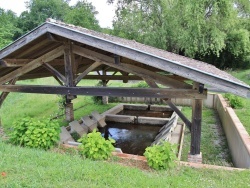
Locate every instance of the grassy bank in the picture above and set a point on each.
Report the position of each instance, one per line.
(23, 167)
(244, 113)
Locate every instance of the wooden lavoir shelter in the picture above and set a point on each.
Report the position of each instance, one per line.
(69, 53)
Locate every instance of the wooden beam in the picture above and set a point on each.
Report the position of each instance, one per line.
(4, 95)
(102, 91)
(89, 69)
(196, 124)
(130, 68)
(59, 81)
(55, 72)
(69, 61)
(32, 65)
(172, 105)
(23, 62)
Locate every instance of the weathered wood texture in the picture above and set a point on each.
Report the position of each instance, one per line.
(4, 95)
(102, 91)
(55, 72)
(139, 55)
(32, 65)
(130, 68)
(196, 124)
(89, 69)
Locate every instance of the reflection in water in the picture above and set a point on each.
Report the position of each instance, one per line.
(131, 138)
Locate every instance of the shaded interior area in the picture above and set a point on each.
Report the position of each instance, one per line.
(131, 138)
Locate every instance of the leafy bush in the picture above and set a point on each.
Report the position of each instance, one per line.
(35, 133)
(141, 84)
(161, 156)
(234, 101)
(94, 146)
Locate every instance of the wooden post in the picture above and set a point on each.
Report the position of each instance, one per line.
(69, 62)
(196, 126)
(105, 99)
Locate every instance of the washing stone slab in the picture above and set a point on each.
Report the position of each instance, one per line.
(90, 123)
(99, 118)
(76, 127)
(65, 136)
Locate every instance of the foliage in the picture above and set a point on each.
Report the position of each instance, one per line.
(8, 28)
(212, 31)
(161, 156)
(83, 14)
(94, 146)
(141, 84)
(234, 101)
(35, 133)
(38, 11)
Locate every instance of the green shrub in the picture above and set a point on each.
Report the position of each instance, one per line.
(141, 84)
(161, 156)
(94, 146)
(35, 133)
(234, 101)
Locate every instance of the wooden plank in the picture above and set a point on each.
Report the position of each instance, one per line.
(69, 63)
(196, 124)
(33, 64)
(196, 127)
(130, 68)
(23, 62)
(4, 95)
(172, 105)
(89, 69)
(105, 91)
(55, 72)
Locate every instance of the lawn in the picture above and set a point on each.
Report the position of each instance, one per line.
(24, 167)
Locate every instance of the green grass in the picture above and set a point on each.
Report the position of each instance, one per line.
(36, 168)
(212, 152)
(244, 113)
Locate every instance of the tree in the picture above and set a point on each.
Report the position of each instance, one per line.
(83, 14)
(38, 11)
(205, 29)
(8, 21)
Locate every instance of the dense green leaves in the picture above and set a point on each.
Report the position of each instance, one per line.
(7, 27)
(83, 14)
(35, 133)
(13, 27)
(213, 31)
(161, 156)
(94, 146)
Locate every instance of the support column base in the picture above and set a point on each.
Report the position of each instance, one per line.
(69, 113)
(197, 158)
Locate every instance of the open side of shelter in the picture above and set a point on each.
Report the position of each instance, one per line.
(70, 53)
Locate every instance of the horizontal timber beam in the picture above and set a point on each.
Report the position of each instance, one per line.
(23, 62)
(33, 64)
(102, 91)
(130, 68)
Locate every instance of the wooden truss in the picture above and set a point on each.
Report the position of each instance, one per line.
(76, 70)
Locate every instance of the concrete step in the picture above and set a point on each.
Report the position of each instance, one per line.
(65, 136)
(99, 118)
(76, 127)
(91, 124)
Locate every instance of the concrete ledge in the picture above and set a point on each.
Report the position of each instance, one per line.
(152, 121)
(159, 108)
(114, 110)
(195, 158)
(135, 107)
(120, 118)
(237, 137)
